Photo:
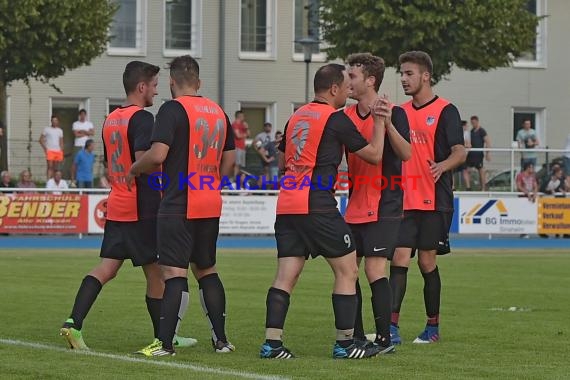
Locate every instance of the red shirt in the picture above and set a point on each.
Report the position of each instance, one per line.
(239, 127)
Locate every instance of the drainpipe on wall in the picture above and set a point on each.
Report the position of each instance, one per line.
(221, 54)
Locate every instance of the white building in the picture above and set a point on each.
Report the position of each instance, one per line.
(248, 60)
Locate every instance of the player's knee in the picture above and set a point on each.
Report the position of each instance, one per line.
(426, 263)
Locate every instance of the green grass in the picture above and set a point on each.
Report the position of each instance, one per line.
(38, 288)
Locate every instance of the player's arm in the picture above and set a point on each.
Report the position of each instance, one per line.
(229, 154)
(281, 150)
(398, 130)
(450, 121)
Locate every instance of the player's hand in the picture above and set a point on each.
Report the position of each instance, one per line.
(436, 169)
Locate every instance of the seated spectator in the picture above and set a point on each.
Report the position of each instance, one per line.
(6, 179)
(82, 168)
(526, 182)
(26, 180)
(56, 183)
(555, 183)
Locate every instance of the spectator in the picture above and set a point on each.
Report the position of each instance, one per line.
(527, 139)
(82, 130)
(56, 183)
(82, 169)
(26, 180)
(527, 184)
(478, 138)
(555, 182)
(266, 149)
(241, 132)
(6, 179)
(467, 142)
(51, 141)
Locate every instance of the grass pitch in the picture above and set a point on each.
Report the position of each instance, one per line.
(481, 338)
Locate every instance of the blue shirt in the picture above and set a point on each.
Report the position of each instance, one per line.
(84, 164)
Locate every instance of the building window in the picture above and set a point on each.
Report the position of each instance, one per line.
(182, 27)
(536, 55)
(307, 25)
(128, 28)
(537, 122)
(257, 34)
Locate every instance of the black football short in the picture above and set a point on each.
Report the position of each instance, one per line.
(183, 241)
(324, 234)
(130, 240)
(376, 239)
(425, 230)
(474, 160)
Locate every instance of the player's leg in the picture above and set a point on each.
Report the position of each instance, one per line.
(359, 335)
(291, 255)
(85, 298)
(375, 267)
(433, 227)
(174, 242)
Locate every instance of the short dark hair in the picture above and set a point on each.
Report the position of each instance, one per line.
(372, 66)
(88, 143)
(418, 57)
(475, 117)
(185, 70)
(83, 111)
(136, 72)
(463, 122)
(54, 116)
(327, 76)
(238, 112)
(527, 165)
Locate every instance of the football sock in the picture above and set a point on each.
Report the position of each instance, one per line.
(85, 298)
(174, 301)
(153, 307)
(432, 294)
(358, 324)
(277, 304)
(382, 307)
(398, 281)
(344, 307)
(213, 298)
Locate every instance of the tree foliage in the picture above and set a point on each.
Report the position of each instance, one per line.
(470, 34)
(42, 39)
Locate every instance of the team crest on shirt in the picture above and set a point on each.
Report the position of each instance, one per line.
(430, 120)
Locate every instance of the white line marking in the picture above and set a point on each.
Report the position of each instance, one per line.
(193, 367)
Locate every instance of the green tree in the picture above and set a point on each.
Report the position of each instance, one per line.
(42, 39)
(470, 34)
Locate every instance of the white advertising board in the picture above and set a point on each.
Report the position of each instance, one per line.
(497, 216)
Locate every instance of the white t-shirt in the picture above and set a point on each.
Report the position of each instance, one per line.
(81, 126)
(55, 186)
(52, 136)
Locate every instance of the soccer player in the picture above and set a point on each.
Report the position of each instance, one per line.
(308, 222)
(375, 209)
(437, 148)
(193, 140)
(130, 229)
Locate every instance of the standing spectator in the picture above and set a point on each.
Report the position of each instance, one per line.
(241, 132)
(6, 179)
(265, 148)
(461, 169)
(26, 180)
(82, 169)
(56, 183)
(478, 138)
(82, 130)
(51, 141)
(527, 139)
